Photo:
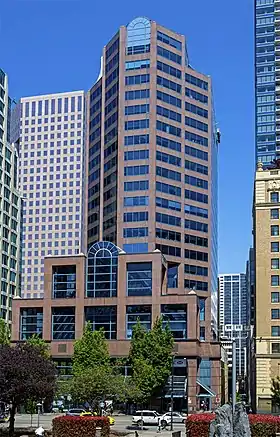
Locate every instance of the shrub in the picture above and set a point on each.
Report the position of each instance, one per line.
(264, 425)
(198, 424)
(261, 425)
(71, 426)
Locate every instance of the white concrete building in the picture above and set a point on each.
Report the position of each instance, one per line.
(51, 141)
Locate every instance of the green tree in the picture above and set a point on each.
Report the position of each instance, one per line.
(5, 334)
(90, 350)
(40, 344)
(151, 358)
(275, 390)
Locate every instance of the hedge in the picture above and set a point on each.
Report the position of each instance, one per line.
(73, 426)
(261, 425)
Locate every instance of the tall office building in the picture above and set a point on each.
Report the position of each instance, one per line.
(153, 157)
(152, 216)
(49, 131)
(9, 206)
(234, 317)
(267, 283)
(267, 74)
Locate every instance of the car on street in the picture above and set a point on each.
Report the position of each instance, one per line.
(76, 412)
(177, 417)
(149, 417)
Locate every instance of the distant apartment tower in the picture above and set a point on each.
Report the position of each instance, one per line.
(267, 74)
(234, 317)
(9, 207)
(153, 158)
(49, 131)
(266, 212)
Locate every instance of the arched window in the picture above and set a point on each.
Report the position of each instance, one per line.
(138, 36)
(102, 270)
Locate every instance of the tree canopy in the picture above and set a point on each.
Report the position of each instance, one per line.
(4, 332)
(90, 350)
(40, 344)
(24, 375)
(275, 390)
(151, 358)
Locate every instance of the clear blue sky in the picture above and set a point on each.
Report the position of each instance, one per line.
(55, 45)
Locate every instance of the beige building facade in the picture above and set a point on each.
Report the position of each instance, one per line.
(267, 315)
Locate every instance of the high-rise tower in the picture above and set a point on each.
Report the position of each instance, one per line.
(153, 157)
(49, 131)
(9, 206)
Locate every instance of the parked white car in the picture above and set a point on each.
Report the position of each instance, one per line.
(177, 417)
(150, 417)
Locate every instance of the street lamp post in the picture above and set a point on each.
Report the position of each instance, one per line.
(172, 394)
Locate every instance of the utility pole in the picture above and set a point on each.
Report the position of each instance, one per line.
(233, 374)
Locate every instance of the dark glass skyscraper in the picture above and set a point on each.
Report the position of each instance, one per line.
(267, 74)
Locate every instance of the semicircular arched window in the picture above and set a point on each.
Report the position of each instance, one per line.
(102, 269)
(138, 36)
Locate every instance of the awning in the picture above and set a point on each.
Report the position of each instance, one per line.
(209, 392)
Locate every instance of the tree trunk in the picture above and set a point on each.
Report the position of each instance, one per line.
(12, 420)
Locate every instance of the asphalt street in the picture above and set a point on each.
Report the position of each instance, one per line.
(123, 423)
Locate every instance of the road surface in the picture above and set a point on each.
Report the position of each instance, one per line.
(123, 423)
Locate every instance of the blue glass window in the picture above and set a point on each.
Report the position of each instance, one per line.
(137, 65)
(140, 216)
(136, 170)
(137, 109)
(143, 313)
(135, 232)
(168, 113)
(138, 36)
(136, 186)
(275, 280)
(103, 317)
(202, 309)
(175, 316)
(168, 128)
(197, 153)
(172, 274)
(136, 201)
(196, 110)
(169, 159)
(64, 282)
(166, 234)
(168, 219)
(196, 96)
(196, 182)
(196, 240)
(133, 140)
(275, 246)
(169, 55)
(136, 248)
(192, 122)
(139, 279)
(137, 80)
(137, 94)
(196, 255)
(169, 250)
(196, 226)
(167, 203)
(194, 166)
(197, 139)
(275, 331)
(169, 84)
(168, 69)
(275, 313)
(169, 40)
(31, 322)
(167, 98)
(169, 174)
(274, 213)
(205, 372)
(102, 269)
(191, 269)
(196, 81)
(197, 285)
(169, 144)
(195, 196)
(63, 323)
(274, 197)
(136, 124)
(168, 189)
(136, 154)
